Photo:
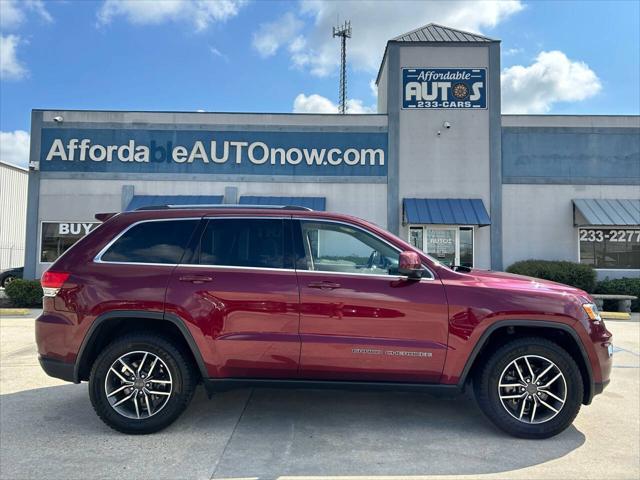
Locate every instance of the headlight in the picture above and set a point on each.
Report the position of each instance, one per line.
(592, 312)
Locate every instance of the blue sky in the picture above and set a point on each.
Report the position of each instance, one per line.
(272, 56)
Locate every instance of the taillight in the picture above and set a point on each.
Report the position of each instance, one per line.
(52, 281)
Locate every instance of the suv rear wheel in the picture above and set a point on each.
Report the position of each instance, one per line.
(530, 388)
(141, 383)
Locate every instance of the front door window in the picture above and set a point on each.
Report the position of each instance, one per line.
(335, 247)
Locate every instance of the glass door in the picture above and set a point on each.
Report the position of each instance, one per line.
(449, 245)
(442, 244)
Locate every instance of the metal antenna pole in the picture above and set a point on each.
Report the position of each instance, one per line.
(344, 32)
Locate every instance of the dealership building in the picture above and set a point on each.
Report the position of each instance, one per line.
(438, 164)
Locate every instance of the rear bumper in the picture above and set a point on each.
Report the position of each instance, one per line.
(57, 369)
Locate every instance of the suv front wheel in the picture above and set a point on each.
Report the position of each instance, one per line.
(530, 388)
(141, 383)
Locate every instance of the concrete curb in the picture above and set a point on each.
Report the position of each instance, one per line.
(615, 315)
(14, 312)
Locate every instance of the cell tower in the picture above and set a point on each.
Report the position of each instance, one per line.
(344, 32)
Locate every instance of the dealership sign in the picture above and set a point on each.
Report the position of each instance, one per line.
(447, 88)
(220, 152)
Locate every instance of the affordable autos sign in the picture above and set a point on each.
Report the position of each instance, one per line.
(220, 152)
(447, 88)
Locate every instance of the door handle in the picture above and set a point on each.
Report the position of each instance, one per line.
(195, 278)
(324, 285)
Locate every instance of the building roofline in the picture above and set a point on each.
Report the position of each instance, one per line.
(488, 39)
(569, 115)
(337, 115)
(15, 167)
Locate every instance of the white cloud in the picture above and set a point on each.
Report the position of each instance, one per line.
(10, 15)
(373, 23)
(357, 106)
(550, 79)
(11, 67)
(217, 53)
(201, 13)
(373, 87)
(271, 36)
(12, 12)
(14, 147)
(38, 7)
(315, 103)
(512, 51)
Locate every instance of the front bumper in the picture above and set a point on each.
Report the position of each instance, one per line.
(57, 369)
(599, 387)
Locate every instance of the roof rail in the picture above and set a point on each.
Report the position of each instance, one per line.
(225, 206)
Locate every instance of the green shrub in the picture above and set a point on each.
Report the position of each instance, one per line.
(620, 286)
(570, 273)
(24, 293)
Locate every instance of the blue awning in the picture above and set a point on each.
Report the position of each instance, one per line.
(610, 212)
(314, 203)
(139, 201)
(446, 211)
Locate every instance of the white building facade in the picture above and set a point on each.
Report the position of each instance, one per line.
(438, 165)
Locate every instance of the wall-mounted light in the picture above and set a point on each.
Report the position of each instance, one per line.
(446, 125)
(58, 119)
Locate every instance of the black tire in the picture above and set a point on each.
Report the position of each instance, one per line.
(7, 280)
(182, 375)
(487, 381)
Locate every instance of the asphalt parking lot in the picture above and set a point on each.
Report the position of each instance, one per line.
(49, 430)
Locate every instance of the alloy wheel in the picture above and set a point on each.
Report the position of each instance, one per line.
(138, 385)
(532, 389)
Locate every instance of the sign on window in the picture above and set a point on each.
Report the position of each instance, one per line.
(615, 248)
(58, 237)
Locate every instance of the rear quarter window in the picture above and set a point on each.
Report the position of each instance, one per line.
(162, 241)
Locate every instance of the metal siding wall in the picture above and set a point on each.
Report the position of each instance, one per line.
(574, 155)
(13, 215)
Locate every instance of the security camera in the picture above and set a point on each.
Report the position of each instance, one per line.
(58, 119)
(446, 125)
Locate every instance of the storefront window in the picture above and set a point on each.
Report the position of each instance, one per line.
(610, 248)
(58, 237)
(466, 246)
(415, 237)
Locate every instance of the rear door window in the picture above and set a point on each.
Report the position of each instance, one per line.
(257, 243)
(162, 241)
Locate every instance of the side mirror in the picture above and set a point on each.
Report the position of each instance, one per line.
(409, 264)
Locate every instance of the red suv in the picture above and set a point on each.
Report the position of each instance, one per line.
(154, 301)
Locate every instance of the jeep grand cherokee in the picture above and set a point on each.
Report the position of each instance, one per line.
(155, 301)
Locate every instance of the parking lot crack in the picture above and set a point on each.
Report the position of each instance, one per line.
(224, 450)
